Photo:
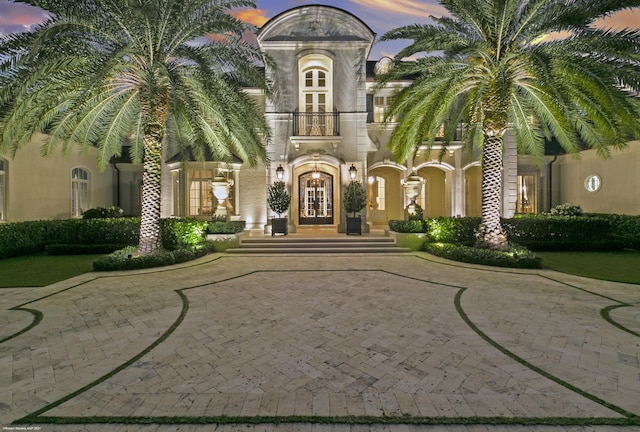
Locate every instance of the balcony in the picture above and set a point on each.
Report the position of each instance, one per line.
(316, 124)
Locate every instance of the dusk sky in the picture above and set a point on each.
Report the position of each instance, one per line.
(380, 15)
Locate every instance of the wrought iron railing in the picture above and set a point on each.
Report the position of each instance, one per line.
(316, 123)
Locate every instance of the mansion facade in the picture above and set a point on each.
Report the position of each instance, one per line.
(326, 119)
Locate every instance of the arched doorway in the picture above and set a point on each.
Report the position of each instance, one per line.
(315, 193)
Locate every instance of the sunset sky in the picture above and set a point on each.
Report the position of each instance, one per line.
(380, 15)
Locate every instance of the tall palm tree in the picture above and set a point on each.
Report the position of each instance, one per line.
(536, 68)
(101, 73)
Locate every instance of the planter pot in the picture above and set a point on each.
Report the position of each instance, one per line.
(223, 242)
(413, 241)
(354, 225)
(279, 226)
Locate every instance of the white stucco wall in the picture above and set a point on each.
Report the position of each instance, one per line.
(620, 176)
(40, 187)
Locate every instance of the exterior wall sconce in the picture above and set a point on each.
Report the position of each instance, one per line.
(353, 172)
(280, 172)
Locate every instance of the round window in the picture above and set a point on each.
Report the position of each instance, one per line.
(592, 183)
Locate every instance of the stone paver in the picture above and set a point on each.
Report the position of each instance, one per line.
(321, 335)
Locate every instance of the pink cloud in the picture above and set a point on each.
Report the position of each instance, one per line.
(257, 17)
(404, 7)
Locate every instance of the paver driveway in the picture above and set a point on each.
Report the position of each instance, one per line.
(373, 338)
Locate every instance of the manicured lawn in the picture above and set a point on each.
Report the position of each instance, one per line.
(621, 266)
(41, 270)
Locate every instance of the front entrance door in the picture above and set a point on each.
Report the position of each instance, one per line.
(316, 198)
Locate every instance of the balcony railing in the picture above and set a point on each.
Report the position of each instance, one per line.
(316, 124)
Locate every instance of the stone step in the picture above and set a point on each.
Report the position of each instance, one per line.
(325, 244)
(327, 250)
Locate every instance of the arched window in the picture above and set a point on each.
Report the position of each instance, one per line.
(3, 189)
(316, 95)
(80, 182)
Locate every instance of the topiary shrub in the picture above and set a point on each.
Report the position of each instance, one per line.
(278, 198)
(515, 257)
(354, 197)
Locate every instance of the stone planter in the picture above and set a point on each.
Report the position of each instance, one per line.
(279, 226)
(354, 225)
(223, 242)
(413, 241)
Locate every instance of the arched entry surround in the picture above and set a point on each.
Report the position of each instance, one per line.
(391, 174)
(324, 164)
(473, 189)
(438, 190)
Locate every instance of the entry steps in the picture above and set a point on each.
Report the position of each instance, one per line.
(304, 245)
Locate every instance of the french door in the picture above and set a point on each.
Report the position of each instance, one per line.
(316, 198)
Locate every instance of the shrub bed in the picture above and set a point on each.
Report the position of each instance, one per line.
(124, 259)
(625, 228)
(516, 257)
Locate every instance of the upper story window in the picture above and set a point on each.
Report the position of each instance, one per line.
(3, 191)
(80, 182)
(316, 82)
(380, 106)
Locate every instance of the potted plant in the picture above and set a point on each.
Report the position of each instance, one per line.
(279, 201)
(355, 198)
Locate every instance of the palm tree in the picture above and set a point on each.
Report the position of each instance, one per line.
(534, 68)
(152, 73)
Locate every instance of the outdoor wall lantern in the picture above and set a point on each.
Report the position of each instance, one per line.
(353, 172)
(280, 172)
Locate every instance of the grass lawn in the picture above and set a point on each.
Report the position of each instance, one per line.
(621, 266)
(41, 270)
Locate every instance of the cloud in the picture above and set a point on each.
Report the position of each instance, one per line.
(404, 7)
(19, 17)
(628, 18)
(257, 17)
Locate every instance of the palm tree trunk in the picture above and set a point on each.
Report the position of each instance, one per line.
(491, 235)
(151, 193)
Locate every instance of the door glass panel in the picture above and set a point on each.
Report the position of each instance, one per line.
(316, 199)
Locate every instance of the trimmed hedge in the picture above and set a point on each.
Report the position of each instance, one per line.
(125, 260)
(231, 227)
(562, 233)
(537, 232)
(22, 238)
(516, 257)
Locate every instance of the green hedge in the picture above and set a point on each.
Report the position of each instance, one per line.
(625, 228)
(125, 260)
(516, 257)
(562, 233)
(22, 238)
(537, 232)
(232, 227)
(183, 233)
